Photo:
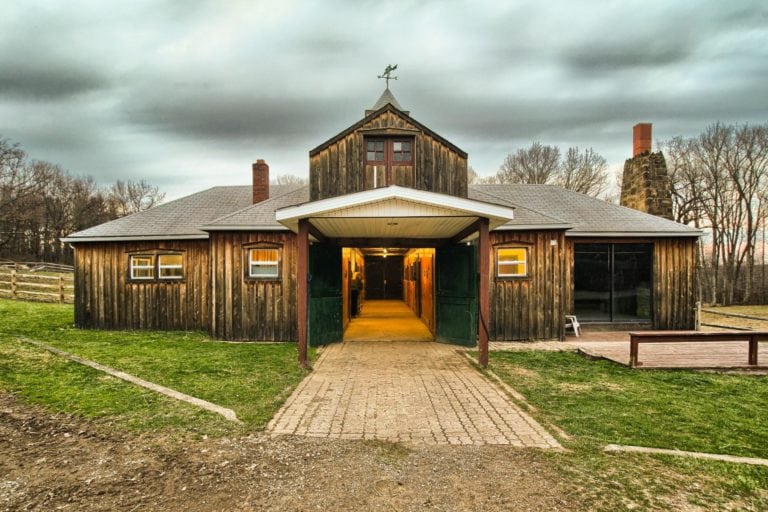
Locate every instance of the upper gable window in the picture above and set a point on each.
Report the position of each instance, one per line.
(389, 151)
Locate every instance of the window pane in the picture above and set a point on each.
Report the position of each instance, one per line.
(512, 261)
(263, 270)
(397, 146)
(592, 282)
(406, 146)
(517, 254)
(632, 264)
(263, 255)
(170, 259)
(142, 267)
(171, 272)
(370, 156)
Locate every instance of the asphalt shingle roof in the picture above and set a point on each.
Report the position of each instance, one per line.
(181, 218)
(585, 214)
(222, 208)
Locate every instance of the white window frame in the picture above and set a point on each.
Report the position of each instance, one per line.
(134, 267)
(160, 267)
(275, 263)
(523, 262)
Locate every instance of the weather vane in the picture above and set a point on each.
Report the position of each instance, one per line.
(387, 75)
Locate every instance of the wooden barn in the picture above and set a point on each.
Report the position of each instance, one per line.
(387, 215)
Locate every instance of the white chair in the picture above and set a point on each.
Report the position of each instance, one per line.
(573, 323)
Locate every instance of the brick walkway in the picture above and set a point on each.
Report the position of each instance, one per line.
(416, 392)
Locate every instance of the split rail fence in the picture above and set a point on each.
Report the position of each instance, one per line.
(37, 286)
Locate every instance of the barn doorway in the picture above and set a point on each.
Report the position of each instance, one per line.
(390, 294)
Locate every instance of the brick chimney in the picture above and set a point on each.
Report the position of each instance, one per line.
(260, 181)
(642, 139)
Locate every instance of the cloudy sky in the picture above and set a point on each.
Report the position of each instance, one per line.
(186, 94)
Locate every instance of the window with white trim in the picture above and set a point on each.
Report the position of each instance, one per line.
(512, 262)
(170, 266)
(142, 266)
(263, 263)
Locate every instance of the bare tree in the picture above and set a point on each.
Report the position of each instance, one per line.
(720, 184)
(536, 164)
(585, 172)
(127, 197)
(288, 179)
(473, 178)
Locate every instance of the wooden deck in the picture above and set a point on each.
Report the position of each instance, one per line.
(709, 355)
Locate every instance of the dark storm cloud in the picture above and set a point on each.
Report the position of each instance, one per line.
(207, 115)
(37, 79)
(610, 58)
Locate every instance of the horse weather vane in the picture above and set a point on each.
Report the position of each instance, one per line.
(387, 75)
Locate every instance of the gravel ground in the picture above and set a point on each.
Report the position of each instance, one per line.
(58, 462)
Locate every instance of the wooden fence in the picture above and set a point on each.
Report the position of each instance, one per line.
(41, 286)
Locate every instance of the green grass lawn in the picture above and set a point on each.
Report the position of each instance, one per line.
(600, 402)
(252, 379)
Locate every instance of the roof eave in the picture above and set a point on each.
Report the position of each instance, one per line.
(634, 234)
(245, 228)
(130, 238)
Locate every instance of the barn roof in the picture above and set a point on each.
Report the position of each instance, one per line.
(587, 215)
(230, 208)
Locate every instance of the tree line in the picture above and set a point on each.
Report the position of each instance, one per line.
(40, 202)
(720, 184)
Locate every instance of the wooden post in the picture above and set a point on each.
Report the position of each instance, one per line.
(61, 288)
(483, 250)
(632, 351)
(13, 284)
(302, 269)
(697, 316)
(753, 343)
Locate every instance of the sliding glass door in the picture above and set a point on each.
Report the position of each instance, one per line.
(612, 282)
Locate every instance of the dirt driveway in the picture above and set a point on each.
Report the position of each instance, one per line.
(55, 462)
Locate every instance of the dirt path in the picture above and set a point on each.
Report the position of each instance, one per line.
(56, 462)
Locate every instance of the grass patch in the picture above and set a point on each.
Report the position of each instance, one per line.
(609, 403)
(600, 402)
(251, 379)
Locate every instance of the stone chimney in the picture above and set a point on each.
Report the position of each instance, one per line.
(642, 139)
(645, 184)
(260, 181)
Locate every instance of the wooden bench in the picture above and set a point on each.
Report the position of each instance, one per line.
(752, 337)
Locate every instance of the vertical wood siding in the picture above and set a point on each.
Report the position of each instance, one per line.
(529, 308)
(106, 299)
(339, 169)
(252, 309)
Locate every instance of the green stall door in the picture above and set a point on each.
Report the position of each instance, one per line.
(456, 294)
(325, 296)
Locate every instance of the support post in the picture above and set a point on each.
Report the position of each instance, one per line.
(61, 289)
(483, 250)
(13, 284)
(753, 344)
(302, 269)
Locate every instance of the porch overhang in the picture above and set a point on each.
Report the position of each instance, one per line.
(395, 213)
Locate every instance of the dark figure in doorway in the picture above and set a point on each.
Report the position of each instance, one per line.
(355, 286)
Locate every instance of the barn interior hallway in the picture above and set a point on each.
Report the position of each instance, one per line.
(386, 320)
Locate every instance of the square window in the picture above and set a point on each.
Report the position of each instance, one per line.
(142, 267)
(170, 266)
(512, 262)
(264, 263)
